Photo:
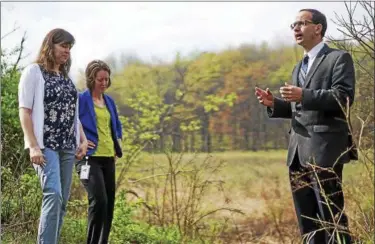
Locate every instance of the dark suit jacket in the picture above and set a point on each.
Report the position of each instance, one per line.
(319, 131)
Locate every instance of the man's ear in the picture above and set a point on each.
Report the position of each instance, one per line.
(318, 29)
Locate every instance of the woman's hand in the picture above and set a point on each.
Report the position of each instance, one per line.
(36, 156)
(82, 150)
(91, 145)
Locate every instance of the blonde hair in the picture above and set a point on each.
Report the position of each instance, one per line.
(92, 69)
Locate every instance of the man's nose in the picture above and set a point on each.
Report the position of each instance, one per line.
(297, 28)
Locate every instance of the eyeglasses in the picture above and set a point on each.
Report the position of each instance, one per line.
(300, 23)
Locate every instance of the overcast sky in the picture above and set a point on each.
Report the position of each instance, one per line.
(154, 29)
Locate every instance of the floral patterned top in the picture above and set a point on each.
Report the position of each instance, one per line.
(60, 97)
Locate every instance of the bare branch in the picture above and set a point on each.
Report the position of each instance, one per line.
(358, 36)
(217, 210)
(10, 32)
(20, 51)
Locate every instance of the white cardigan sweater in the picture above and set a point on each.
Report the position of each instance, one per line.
(31, 96)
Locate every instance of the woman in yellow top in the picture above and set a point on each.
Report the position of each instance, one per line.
(99, 118)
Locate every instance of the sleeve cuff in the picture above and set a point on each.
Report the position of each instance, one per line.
(270, 112)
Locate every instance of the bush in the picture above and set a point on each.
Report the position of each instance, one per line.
(126, 230)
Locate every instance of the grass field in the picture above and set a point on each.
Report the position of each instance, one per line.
(228, 197)
(249, 190)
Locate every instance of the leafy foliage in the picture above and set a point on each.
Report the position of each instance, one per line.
(203, 102)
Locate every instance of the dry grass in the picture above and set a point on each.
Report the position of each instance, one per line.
(257, 184)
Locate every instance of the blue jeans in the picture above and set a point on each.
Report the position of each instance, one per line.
(55, 179)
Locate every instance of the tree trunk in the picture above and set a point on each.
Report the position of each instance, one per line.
(176, 138)
(192, 142)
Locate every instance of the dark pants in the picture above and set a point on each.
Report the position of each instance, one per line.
(101, 196)
(312, 190)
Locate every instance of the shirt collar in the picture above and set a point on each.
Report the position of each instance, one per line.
(315, 50)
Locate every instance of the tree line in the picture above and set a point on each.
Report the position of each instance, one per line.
(206, 102)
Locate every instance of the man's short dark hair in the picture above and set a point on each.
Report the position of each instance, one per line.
(318, 18)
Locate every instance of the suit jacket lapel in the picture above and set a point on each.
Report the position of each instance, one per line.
(295, 74)
(295, 81)
(318, 60)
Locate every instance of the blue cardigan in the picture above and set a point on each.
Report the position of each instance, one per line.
(87, 117)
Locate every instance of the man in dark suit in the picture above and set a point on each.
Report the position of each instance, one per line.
(320, 142)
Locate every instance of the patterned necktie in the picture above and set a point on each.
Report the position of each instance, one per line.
(303, 72)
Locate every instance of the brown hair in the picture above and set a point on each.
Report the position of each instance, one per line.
(46, 56)
(92, 69)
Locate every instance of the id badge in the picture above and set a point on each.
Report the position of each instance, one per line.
(85, 171)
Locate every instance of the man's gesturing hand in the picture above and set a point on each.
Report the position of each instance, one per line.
(291, 93)
(265, 97)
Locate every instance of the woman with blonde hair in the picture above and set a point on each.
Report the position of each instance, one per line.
(48, 110)
(102, 127)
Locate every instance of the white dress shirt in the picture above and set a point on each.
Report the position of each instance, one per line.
(313, 53)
